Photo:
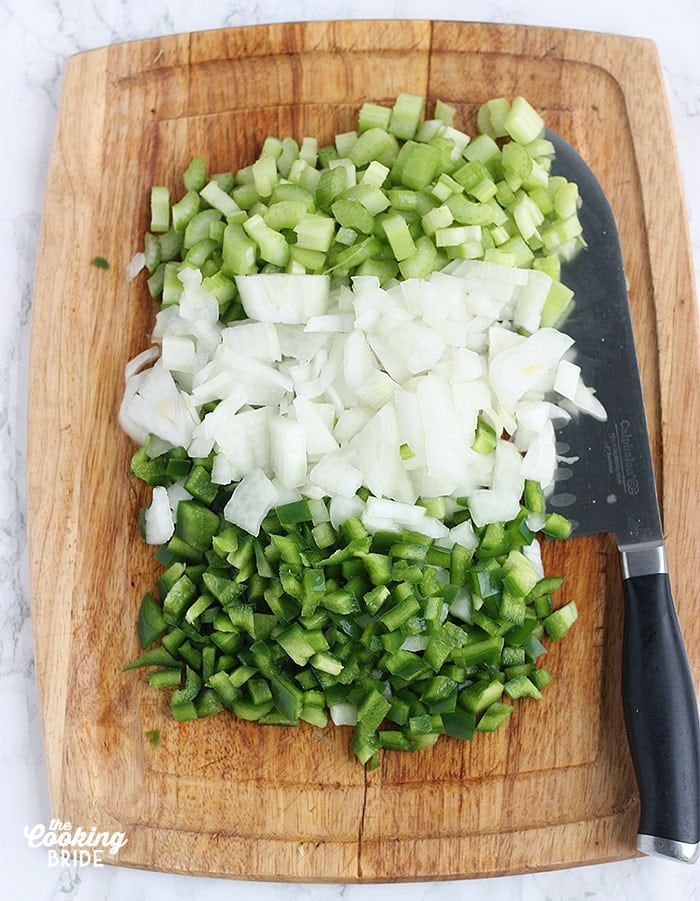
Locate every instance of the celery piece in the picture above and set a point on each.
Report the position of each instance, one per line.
(374, 144)
(245, 196)
(199, 252)
(453, 236)
(347, 167)
(469, 212)
(375, 174)
(265, 175)
(308, 151)
(527, 215)
(272, 147)
(444, 186)
(522, 122)
(501, 257)
(326, 155)
(239, 251)
(399, 237)
(197, 228)
(315, 232)
(444, 112)
(491, 117)
(344, 142)
(221, 287)
(195, 176)
(272, 246)
(289, 152)
(406, 115)
(225, 180)
(520, 251)
(331, 183)
(384, 270)
(351, 214)
(185, 209)
(219, 199)
(372, 198)
(357, 253)
(345, 236)
(419, 166)
(170, 243)
(373, 115)
(429, 129)
(160, 208)
(483, 148)
(484, 190)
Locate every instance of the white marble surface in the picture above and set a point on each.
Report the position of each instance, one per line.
(36, 37)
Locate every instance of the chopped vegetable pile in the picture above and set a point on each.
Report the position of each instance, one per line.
(346, 420)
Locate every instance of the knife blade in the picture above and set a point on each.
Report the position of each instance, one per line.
(610, 487)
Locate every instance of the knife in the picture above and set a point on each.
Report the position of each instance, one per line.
(610, 488)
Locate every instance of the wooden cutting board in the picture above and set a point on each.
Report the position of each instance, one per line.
(554, 787)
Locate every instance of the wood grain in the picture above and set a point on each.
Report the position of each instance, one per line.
(552, 789)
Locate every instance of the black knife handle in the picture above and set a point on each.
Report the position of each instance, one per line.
(661, 716)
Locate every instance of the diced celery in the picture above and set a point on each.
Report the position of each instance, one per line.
(406, 115)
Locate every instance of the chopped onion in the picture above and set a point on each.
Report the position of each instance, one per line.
(135, 265)
(283, 298)
(251, 501)
(324, 389)
(343, 714)
(288, 451)
(159, 524)
(140, 361)
(336, 476)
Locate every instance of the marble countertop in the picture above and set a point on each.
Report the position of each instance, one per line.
(36, 38)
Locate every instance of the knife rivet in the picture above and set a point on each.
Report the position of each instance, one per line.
(611, 498)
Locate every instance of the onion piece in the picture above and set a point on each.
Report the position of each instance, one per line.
(159, 524)
(135, 265)
(251, 501)
(343, 714)
(140, 361)
(282, 297)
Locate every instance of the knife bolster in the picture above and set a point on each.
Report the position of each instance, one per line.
(643, 560)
